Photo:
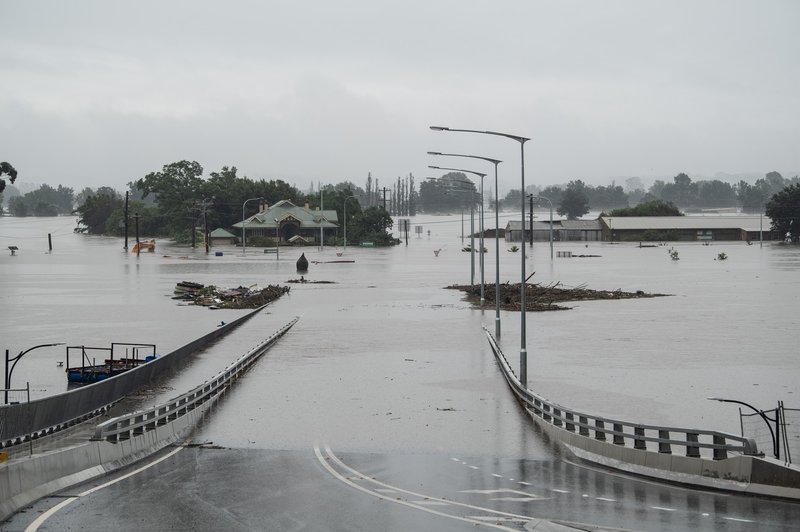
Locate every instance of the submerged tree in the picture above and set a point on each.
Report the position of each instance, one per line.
(6, 168)
(784, 211)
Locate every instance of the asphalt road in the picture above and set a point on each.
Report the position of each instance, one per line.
(208, 488)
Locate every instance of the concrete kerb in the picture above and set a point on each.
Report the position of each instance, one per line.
(28, 479)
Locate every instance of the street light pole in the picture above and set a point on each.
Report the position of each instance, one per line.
(10, 371)
(481, 214)
(523, 352)
(496, 231)
(345, 220)
(775, 441)
(244, 237)
(551, 221)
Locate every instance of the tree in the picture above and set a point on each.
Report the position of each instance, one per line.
(715, 193)
(682, 191)
(449, 193)
(6, 168)
(96, 210)
(370, 225)
(784, 211)
(17, 206)
(574, 202)
(179, 191)
(650, 208)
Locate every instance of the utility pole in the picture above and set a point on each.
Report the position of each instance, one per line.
(384, 190)
(136, 218)
(531, 211)
(126, 221)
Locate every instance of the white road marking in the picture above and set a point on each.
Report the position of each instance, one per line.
(496, 475)
(663, 509)
(34, 526)
(493, 518)
(559, 491)
(455, 459)
(704, 514)
(384, 490)
(516, 499)
(738, 520)
(473, 467)
(333, 458)
(431, 503)
(524, 483)
(501, 490)
(605, 499)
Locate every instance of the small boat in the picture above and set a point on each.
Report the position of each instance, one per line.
(302, 264)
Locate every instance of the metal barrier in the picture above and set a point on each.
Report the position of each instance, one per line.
(22, 422)
(129, 425)
(696, 443)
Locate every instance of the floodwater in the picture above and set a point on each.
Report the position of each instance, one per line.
(385, 358)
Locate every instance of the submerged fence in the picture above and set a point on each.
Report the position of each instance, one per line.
(694, 443)
(21, 422)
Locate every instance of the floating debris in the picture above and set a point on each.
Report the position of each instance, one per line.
(221, 298)
(543, 297)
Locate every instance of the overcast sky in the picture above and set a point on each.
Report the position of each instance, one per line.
(101, 93)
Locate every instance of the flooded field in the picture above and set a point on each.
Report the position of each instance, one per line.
(385, 357)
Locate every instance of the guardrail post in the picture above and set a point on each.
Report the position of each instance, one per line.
(692, 450)
(599, 430)
(162, 416)
(638, 439)
(125, 434)
(537, 407)
(557, 418)
(546, 413)
(139, 428)
(619, 438)
(570, 426)
(720, 451)
(583, 430)
(663, 446)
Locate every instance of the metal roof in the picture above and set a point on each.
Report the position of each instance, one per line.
(221, 233)
(581, 225)
(284, 210)
(747, 223)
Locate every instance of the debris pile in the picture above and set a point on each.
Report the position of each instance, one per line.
(540, 297)
(236, 298)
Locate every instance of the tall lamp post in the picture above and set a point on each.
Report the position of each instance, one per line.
(551, 221)
(775, 440)
(496, 231)
(345, 220)
(15, 359)
(244, 237)
(472, 192)
(523, 352)
(481, 213)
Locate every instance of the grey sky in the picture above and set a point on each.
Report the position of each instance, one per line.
(101, 93)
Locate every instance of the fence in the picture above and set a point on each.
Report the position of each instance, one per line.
(21, 422)
(129, 425)
(695, 443)
(782, 432)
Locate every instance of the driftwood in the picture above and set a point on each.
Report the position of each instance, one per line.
(236, 298)
(540, 297)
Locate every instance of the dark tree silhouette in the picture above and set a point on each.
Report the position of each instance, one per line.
(9, 170)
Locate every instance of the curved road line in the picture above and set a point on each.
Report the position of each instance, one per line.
(330, 456)
(39, 521)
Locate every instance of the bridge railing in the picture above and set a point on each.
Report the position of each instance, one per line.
(129, 425)
(26, 421)
(654, 438)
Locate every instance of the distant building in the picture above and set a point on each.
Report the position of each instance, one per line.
(221, 237)
(289, 223)
(685, 228)
(563, 230)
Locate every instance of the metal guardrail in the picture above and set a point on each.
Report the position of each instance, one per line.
(129, 425)
(696, 443)
(22, 422)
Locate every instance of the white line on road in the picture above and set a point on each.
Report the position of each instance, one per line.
(34, 526)
(738, 520)
(605, 499)
(556, 490)
(496, 475)
(663, 509)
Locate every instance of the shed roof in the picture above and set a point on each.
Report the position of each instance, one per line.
(221, 233)
(747, 223)
(516, 225)
(581, 225)
(284, 210)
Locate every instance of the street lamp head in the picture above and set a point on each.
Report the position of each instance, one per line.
(715, 399)
(440, 128)
(435, 153)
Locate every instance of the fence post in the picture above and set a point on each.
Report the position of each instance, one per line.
(570, 426)
(599, 430)
(720, 453)
(638, 440)
(692, 450)
(663, 446)
(619, 439)
(583, 430)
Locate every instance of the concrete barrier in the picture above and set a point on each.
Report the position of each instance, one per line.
(29, 478)
(726, 462)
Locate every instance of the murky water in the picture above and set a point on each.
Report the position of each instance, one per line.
(385, 358)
